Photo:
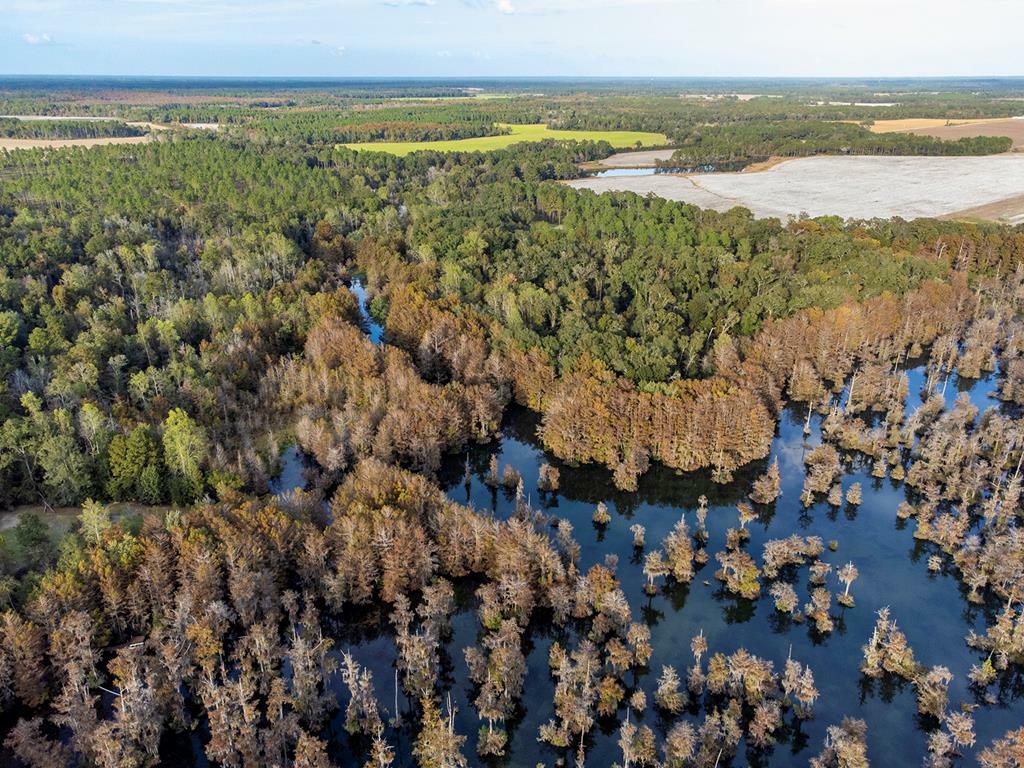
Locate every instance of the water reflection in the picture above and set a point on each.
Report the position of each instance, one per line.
(726, 167)
(374, 330)
(930, 607)
(292, 475)
(613, 172)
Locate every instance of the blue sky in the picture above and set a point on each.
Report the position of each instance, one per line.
(337, 38)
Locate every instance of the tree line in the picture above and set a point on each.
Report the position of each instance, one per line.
(750, 141)
(14, 128)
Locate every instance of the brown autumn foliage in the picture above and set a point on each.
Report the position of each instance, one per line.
(228, 595)
(723, 421)
(351, 399)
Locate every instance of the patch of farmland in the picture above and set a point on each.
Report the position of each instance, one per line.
(516, 135)
(851, 187)
(911, 124)
(1014, 128)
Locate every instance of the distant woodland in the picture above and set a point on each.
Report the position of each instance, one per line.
(747, 141)
(12, 128)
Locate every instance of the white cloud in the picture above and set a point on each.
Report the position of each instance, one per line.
(562, 37)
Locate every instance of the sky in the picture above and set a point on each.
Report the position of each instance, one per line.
(339, 38)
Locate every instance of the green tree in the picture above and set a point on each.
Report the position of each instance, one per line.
(95, 519)
(32, 539)
(52, 439)
(135, 467)
(10, 328)
(185, 448)
(149, 489)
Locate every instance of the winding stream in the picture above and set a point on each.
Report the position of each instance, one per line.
(374, 330)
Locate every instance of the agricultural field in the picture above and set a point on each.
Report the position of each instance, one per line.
(1013, 128)
(909, 187)
(950, 130)
(922, 124)
(54, 132)
(518, 134)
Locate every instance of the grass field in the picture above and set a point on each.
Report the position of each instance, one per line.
(520, 133)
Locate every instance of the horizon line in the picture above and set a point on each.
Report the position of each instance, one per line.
(99, 76)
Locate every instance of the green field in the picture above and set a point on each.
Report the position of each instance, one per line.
(520, 133)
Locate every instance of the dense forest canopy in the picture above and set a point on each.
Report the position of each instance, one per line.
(133, 286)
(746, 141)
(14, 128)
(174, 313)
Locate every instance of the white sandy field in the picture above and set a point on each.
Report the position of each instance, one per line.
(851, 187)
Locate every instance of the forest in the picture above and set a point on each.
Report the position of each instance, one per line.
(534, 430)
(749, 141)
(346, 111)
(13, 128)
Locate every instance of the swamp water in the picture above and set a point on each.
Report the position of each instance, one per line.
(929, 607)
(374, 330)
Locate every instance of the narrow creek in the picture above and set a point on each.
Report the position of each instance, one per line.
(374, 330)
